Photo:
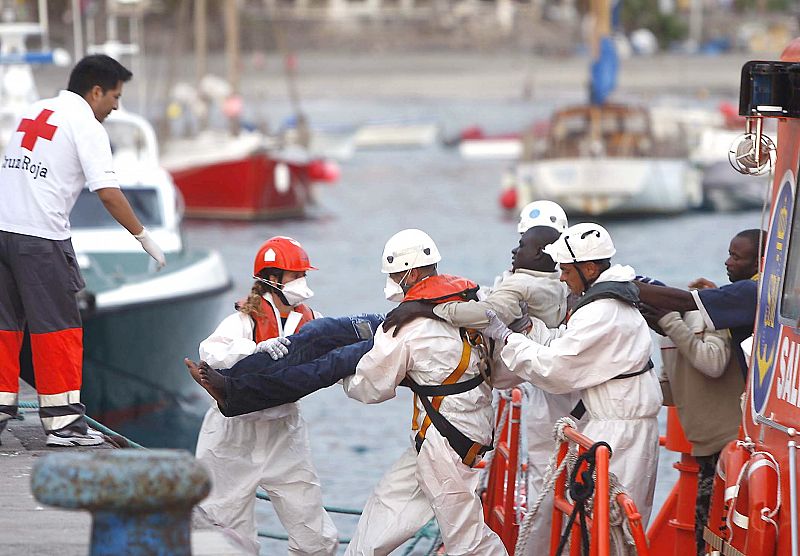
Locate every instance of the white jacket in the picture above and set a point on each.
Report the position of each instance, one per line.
(231, 342)
(426, 351)
(602, 340)
(544, 293)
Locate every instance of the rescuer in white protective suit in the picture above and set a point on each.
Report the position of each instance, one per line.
(532, 283)
(267, 448)
(435, 477)
(603, 352)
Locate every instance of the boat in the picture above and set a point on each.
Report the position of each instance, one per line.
(604, 158)
(247, 176)
(127, 303)
(754, 509)
(237, 173)
(395, 134)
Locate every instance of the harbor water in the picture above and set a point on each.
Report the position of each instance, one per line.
(455, 201)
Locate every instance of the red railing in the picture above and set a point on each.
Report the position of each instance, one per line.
(599, 526)
(500, 495)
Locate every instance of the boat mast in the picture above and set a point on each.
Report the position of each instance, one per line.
(602, 67)
(232, 55)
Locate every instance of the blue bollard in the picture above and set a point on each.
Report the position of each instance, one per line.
(140, 500)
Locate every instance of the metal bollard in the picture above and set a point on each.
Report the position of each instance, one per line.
(140, 500)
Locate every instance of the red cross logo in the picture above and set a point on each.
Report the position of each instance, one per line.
(33, 129)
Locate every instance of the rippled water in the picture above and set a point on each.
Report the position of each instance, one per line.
(455, 201)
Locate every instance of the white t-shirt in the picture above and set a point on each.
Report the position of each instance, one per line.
(58, 148)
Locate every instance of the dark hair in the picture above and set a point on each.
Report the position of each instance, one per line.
(755, 235)
(97, 69)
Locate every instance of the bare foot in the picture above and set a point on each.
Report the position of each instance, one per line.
(200, 375)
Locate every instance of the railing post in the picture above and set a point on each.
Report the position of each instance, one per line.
(140, 500)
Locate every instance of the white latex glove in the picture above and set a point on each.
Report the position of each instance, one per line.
(496, 329)
(277, 348)
(152, 248)
(524, 323)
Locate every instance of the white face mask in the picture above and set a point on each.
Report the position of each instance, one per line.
(297, 291)
(393, 291)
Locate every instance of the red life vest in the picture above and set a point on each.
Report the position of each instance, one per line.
(266, 324)
(441, 289)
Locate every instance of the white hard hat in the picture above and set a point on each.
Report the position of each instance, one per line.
(542, 213)
(409, 249)
(582, 242)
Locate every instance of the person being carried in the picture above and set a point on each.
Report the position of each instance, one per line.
(320, 354)
(603, 352)
(64, 139)
(268, 448)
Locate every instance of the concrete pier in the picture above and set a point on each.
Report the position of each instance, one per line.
(30, 528)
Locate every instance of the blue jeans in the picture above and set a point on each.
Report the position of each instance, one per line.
(323, 352)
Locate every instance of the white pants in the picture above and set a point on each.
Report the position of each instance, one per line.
(242, 453)
(418, 487)
(542, 411)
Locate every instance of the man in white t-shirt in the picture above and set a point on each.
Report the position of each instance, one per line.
(60, 147)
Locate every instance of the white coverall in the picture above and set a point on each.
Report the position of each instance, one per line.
(546, 297)
(434, 482)
(267, 448)
(602, 340)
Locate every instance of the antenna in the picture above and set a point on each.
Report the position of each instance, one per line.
(752, 153)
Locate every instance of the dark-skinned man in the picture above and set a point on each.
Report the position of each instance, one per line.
(700, 369)
(601, 353)
(731, 306)
(533, 282)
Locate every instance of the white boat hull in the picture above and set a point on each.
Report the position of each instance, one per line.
(611, 185)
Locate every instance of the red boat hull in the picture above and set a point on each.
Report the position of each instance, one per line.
(243, 189)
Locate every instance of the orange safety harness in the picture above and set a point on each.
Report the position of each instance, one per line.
(441, 289)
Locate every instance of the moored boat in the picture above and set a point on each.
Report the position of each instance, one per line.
(604, 159)
(128, 304)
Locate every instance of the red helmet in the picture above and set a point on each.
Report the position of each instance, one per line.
(283, 253)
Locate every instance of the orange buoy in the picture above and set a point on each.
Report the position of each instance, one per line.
(508, 199)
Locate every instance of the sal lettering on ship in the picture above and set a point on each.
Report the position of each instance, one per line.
(788, 383)
(32, 131)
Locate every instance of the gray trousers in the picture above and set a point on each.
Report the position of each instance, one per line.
(38, 282)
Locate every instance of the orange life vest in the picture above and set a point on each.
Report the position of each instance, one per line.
(266, 323)
(441, 289)
(438, 289)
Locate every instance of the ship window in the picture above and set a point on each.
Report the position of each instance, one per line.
(89, 211)
(790, 299)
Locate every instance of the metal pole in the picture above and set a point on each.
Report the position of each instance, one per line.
(44, 22)
(77, 30)
(793, 494)
(200, 40)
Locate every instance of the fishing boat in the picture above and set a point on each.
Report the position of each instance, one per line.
(128, 304)
(239, 173)
(246, 176)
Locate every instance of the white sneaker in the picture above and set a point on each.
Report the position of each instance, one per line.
(72, 438)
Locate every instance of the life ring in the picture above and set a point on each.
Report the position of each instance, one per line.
(753, 529)
(731, 460)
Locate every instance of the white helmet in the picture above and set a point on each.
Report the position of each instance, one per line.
(542, 213)
(582, 242)
(409, 249)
